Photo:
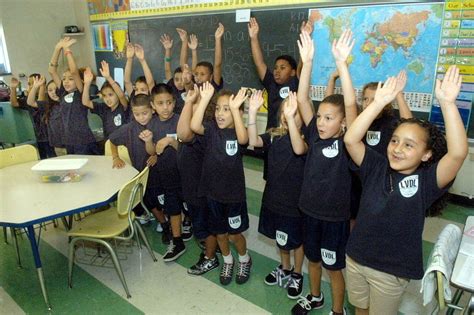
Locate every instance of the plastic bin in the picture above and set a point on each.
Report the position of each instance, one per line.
(60, 170)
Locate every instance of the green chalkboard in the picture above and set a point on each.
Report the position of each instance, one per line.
(279, 31)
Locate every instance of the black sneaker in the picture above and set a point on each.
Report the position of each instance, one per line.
(278, 276)
(307, 303)
(226, 273)
(243, 273)
(174, 251)
(166, 234)
(187, 230)
(203, 265)
(295, 285)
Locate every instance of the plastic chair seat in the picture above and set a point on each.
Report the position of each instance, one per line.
(104, 224)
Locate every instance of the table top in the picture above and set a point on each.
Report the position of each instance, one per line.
(463, 272)
(25, 200)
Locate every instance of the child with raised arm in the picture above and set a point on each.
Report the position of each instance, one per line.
(142, 84)
(113, 111)
(190, 159)
(280, 218)
(50, 112)
(399, 191)
(78, 137)
(326, 189)
(205, 71)
(278, 83)
(222, 180)
(40, 129)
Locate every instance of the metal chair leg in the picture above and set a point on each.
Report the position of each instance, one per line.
(17, 249)
(117, 265)
(5, 238)
(145, 240)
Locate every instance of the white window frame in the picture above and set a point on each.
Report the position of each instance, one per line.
(3, 51)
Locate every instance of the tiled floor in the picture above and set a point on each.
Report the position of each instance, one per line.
(166, 288)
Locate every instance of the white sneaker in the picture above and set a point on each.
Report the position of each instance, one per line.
(144, 218)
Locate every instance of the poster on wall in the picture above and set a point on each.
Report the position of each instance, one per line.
(119, 37)
(388, 39)
(102, 37)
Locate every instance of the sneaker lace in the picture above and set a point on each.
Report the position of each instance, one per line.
(280, 276)
(305, 303)
(243, 269)
(293, 283)
(226, 270)
(170, 248)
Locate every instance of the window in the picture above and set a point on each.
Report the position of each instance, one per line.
(4, 62)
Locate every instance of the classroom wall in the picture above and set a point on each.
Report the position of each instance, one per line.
(33, 27)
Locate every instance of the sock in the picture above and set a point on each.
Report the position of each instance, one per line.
(245, 258)
(335, 313)
(228, 259)
(317, 298)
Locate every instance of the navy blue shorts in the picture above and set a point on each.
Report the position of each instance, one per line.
(199, 214)
(173, 202)
(88, 149)
(286, 230)
(229, 218)
(154, 198)
(326, 241)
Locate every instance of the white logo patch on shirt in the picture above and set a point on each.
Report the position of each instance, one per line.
(231, 147)
(372, 138)
(408, 186)
(161, 199)
(69, 97)
(118, 120)
(172, 135)
(235, 222)
(284, 91)
(332, 150)
(328, 256)
(281, 238)
(183, 96)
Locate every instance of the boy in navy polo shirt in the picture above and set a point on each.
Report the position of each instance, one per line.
(222, 179)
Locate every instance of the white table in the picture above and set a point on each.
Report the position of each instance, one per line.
(25, 200)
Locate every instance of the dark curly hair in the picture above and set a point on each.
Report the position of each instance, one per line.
(436, 142)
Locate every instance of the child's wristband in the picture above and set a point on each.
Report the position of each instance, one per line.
(167, 59)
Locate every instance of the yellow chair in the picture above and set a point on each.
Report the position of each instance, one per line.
(122, 150)
(12, 156)
(17, 155)
(116, 223)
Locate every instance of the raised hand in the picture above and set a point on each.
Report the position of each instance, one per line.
(236, 100)
(253, 28)
(306, 47)
(130, 50)
(206, 91)
(446, 91)
(291, 106)
(193, 42)
(256, 101)
(68, 42)
(219, 31)
(183, 35)
(307, 26)
(88, 76)
(104, 69)
(386, 93)
(146, 135)
(342, 47)
(192, 95)
(139, 52)
(401, 81)
(166, 41)
(14, 82)
(38, 81)
(187, 75)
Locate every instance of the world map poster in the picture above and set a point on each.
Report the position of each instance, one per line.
(388, 39)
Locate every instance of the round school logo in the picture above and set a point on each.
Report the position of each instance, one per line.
(284, 91)
(235, 222)
(183, 96)
(408, 186)
(331, 151)
(281, 238)
(161, 199)
(231, 147)
(118, 120)
(372, 138)
(69, 97)
(328, 256)
(172, 135)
